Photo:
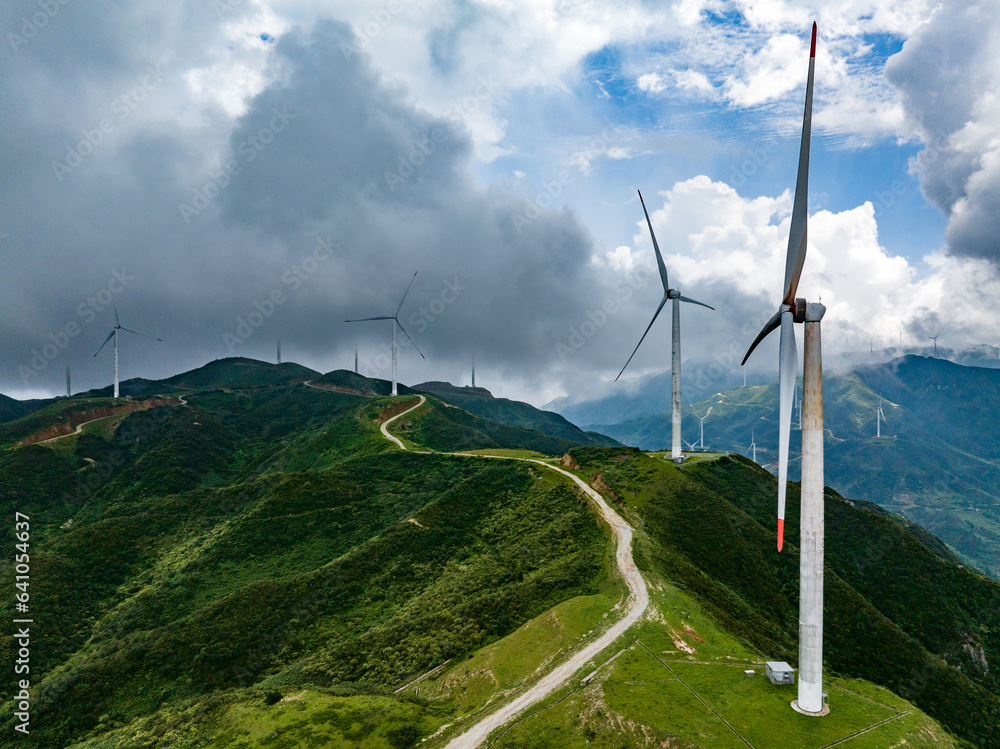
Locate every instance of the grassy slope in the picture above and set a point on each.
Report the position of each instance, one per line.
(938, 463)
(229, 543)
(922, 634)
(481, 402)
(452, 429)
(145, 574)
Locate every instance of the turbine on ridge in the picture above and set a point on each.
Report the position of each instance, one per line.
(675, 297)
(395, 323)
(114, 334)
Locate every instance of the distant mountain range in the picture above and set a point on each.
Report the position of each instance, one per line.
(633, 399)
(937, 462)
(239, 372)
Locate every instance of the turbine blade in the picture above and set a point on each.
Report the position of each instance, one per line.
(110, 336)
(404, 297)
(408, 336)
(787, 372)
(694, 301)
(367, 319)
(771, 324)
(800, 207)
(662, 302)
(656, 248)
(138, 333)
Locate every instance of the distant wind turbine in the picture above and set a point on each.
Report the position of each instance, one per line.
(753, 446)
(355, 360)
(796, 310)
(879, 417)
(797, 404)
(114, 334)
(934, 338)
(701, 427)
(674, 295)
(473, 371)
(871, 347)
(279, 351)
(69, 390)
(395, 323)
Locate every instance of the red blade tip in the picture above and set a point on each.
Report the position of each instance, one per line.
(781, 532)
(812, 51)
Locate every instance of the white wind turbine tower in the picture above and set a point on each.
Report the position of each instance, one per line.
(395, 323)
(791, 311)
(934, 338)
(355, 360)
(69, 390)
(797, 404)
(674, 295)
(701, 427)
(114, 334)
(879, 417)
(753, 446)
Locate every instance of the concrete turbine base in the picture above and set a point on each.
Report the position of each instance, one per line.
(820, 714)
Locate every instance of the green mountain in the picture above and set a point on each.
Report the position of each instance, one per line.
(937, 461)
(481, 402)
(260, 567)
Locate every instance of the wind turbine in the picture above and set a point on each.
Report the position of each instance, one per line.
(797, 404)
(69, 390)
(355, 360)
(395, 323)
(879, 417)
(701, 427)
(871, 347)
(753, 445)
(934, 338)
(791, 311)
(279, 351)
(114, 334)
(473, 371)
(674, 295)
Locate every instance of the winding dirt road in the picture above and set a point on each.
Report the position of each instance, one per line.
(387, 422)
(637, 602)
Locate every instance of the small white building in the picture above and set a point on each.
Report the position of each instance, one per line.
(779, 672)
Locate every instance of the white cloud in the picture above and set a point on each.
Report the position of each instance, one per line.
(651, 82)
(948, 77)
(710, 235)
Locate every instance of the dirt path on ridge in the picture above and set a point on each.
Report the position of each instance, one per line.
(637, 602)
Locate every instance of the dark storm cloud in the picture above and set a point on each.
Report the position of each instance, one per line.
(947, 76)
(328, 192)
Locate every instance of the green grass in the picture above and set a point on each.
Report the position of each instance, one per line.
(271, 539)
(498, 671)
(522, 454)
(301, 719)
(265, 560)
(652, 692)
